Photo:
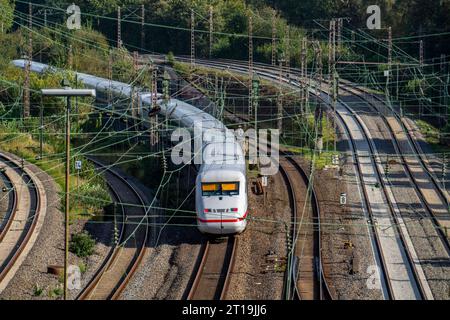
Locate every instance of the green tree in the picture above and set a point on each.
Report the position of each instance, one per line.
(6, 14)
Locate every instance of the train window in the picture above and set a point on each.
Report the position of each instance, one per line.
(229, 186)
(220, 189)
(210, 187)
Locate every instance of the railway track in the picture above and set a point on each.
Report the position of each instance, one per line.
(402, 275)
(434, 200)
(213, 269)
(18, 232)
(385, 285)
(123, 260)
(11, 193)
(305, 268)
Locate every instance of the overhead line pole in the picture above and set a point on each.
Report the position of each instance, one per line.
(119, 31)
(335, 82)
(26, 89)
(288, 53)
(280, 97)
(388, 78)
(421, 55)
(303, 75)
(330, 49)
(211, 30)
(192, 39)
(250, 65)
(443, 100)
(274, 42)
(142, 26)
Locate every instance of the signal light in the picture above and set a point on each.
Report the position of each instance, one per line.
(234, 209)
(207, 210)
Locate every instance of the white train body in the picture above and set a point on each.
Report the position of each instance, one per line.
(221, 183)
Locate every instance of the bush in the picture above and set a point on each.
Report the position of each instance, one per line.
(56, 292)
(170, 59)
(37, 290)
(82, 244)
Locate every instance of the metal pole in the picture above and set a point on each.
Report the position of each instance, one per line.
(41, 130)
(330, 48)
(211, 29)
(421, 54)
(66, 202)
(288, 52)
(192, 39)
(70, 58)
(303, 87)
(279, 99)
(250, 65)
(274, 42)
(119, 31)
(26, 90)
(142, 26)
(335, 83)
(398, 72)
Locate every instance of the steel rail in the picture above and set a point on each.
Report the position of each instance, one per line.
(9, 217)
(214, 284)
(35, 208)
(384, 274)
(418, 154)
(324, 289)
(114, 256)
(411, 178)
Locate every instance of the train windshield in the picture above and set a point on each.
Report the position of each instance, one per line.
(220, 189)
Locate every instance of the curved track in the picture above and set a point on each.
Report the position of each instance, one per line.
(433, 201)
(213, 270)
(309, 280)
(402, 274)
(11, 193)
(23, 218)
(124, 259)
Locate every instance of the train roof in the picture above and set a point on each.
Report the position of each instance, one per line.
(186, 114)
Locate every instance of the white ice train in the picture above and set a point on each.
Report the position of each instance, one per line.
(221, 183)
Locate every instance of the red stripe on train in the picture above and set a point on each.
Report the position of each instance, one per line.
(223, 220)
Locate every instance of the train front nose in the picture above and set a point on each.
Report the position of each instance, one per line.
(222, 220)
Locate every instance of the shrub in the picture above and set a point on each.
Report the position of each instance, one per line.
(170, 59)
(82, 244)
(56, 292)
(37, 290)
(82, 267)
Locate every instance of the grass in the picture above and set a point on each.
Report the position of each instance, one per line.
(88, 200)
(82, 244)
(432, 136)
(56, 292)
(37, 290)
(82, 267)
(321, 161)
